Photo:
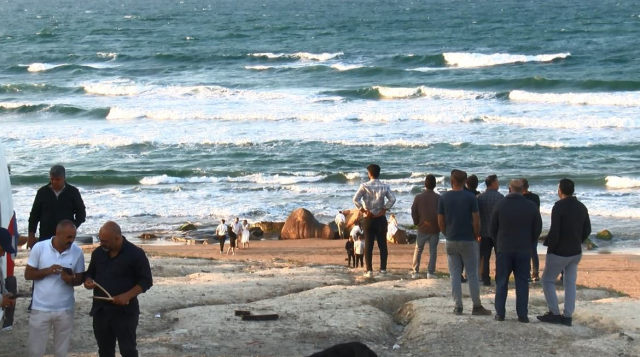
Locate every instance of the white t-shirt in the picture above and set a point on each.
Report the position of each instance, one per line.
(340, 218)
(221, 230)
(52, 293)
(358, 246)
(237, 227)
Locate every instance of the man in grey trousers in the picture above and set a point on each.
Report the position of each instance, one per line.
(570, 226)
(424, 212)
(459, 220)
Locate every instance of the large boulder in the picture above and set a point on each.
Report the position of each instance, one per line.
(269, 227)
(187, 227)
(400, 237)
(589, 244)
(334, 229)
(353, 217)
(604, 235)
(302, 224)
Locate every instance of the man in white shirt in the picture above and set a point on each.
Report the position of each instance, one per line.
(221, 233)
(341, 221)
(356, 231)
(55, 266)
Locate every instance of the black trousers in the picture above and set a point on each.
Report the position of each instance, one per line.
(11, 285)
(112, 325)
(222, 239)
(518, 264)
(375, 230)
(350, 257)
(486, 246)
(535, 260)
(359, 259)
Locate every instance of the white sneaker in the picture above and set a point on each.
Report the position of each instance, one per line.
(8, 328)
(383, 272)
(414, 275)
(431, 276)
(220, 252)
(368, 274)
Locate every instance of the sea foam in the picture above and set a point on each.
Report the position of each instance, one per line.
(604, 98)
(436, 93)
(470, 60)
(320, 57)
(622, 182)
(41, 67)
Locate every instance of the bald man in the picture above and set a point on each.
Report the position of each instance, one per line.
(123, 270)
(515, 225)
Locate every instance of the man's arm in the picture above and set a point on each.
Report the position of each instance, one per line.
(586, 227)
(476, 224)
(537, 227)
(495, 224)
(442, 224)
(391, 199)
(34, 218)
(357, 197)
(79, 208)
(554, 231)
(414, 212)
(144, 281)
(31, 273)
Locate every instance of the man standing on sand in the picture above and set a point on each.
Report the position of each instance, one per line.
(535, 260)
(570, 226)
(221, 233)
(55, 266)
(486, 202)
(458, 219)
(6, 298)
(341, 222)
(515, 223)
(369, 199)
(236, 230)
(424, 212)
(123, 270)
(55, 202)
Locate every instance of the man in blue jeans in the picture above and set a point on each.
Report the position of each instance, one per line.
(370, 201)
(515, 224)
(424, 213)
(570, 226)
(459, 220)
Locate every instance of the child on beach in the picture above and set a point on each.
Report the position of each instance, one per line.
(350, 253)
(359, 251)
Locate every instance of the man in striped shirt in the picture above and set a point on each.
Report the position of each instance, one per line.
(370, 200)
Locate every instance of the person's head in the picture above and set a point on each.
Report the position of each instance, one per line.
(566, 188)
(57, 176)
(5, 242)
(492, 182)
(244, 221)
(237, 219)
(515, 186)
(430, 182)
(525, 184)
(110, 236)
(223, 221)
(351, 238)
(340, 212)
(458, 178)
(65, 235)
(472, 182)
(374, 171)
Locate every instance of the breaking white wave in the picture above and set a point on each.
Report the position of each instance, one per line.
(115, 89)
(41, 67)
(622, 182)
(435, 93)
(164, 179)
(590, 121)
(14, 105)
(259, 68)
(346, 67)
(264, 179)
(320, 57)
(107, 54)
(351, 175)
(429, 69)
(604, 98)
(471, 60)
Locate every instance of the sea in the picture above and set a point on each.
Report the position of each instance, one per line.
(168, 111)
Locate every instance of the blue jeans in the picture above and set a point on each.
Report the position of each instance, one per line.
(519, 265)
(421, 240)
(459, 252)
(553, 266)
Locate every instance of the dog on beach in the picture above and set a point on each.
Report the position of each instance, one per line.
(349, 349)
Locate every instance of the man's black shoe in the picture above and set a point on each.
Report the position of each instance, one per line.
(486, 283)
(550, 317)
(498, 318)
(566, 321)
(524, 319)
(463, 279)
(457, 311)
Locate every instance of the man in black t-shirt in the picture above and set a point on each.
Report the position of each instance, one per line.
(535, 260)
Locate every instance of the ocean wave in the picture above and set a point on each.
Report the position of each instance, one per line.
(112, 55)
(41, 67)
(471, 60)
(13, 88)
(435, 93)
(346, 67)
(622, 182)
(165, 179)
(590, 121)
(44, 67)
(259, 68)
(320, 57)
(23, 108)
(264, 179)
(603, 98)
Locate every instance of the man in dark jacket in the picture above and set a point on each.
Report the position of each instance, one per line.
(55, 202)
(570, 226)
(515, 224)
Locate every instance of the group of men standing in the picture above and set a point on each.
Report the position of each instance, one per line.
(117, 273)
(475, 224)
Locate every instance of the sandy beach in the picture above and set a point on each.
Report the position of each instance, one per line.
(321, 302)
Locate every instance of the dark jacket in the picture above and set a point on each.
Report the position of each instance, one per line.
(424, 212)
(515, 224)
(570, 226)
(49, 210)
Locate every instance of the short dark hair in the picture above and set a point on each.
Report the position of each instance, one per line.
(525, 183)
(65, 223)
(430, 182)
(223, 221)
(567, 186)
(458, 176)
(374, 170)
(57, 171)
(490, 180)
(472, 182)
